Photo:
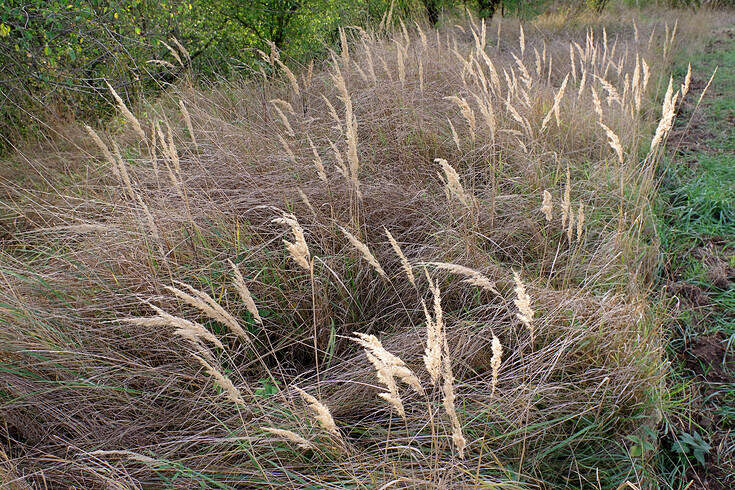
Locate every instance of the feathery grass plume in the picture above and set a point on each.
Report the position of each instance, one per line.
(457, 438)
(126, 112)
(422, 36)
(566, 204)
(102, 146)
(582, 83)
(434, 334)
(614, 142)
(486, 109)
(365, 251)
(333, 113)
(495, 361)
(472, 276)
(452, 182)
(317, 162)
(165, 63)
(298, 249)
(612, 93)
(204, 303)
(523, 303)
(388, 367)
(404, 261)
(555, 107)
(174, 53)
(455, 137)
(277, 104)
(345, 47)
(570, 228)
(687, 82)
(580, 221)
(181, 48)
(546, 206)
(193, 331)
(667, 116)
(340, 162)
(233, 394)
(167, 153)
(350, 128)
(401, 64)
(244, 292)
(290, 76)
(467, 112)
(305, 200)
(322, 413)
(596, 102)
(187, 120)
(290, 436)
(522, 41)
(446, 371)
(128, 454)
(287, 148)
(646, 75)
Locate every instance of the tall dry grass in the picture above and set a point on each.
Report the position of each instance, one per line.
(136, 354)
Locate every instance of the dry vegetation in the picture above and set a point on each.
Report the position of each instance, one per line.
(469, 207)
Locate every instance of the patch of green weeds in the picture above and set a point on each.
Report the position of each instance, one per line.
(696, 225)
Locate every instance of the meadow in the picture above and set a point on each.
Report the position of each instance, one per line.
(427, 261)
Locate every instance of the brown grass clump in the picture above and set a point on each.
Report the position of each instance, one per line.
(187, 209)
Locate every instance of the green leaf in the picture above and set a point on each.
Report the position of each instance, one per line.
(4, 30)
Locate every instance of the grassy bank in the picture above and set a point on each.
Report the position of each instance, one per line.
(425, 262)
(697, 223)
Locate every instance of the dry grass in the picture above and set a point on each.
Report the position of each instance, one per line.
(517, 383)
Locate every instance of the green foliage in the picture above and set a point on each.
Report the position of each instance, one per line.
(692, 444)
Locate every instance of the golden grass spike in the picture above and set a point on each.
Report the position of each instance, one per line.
(345, 47)
(687, 81)
(523, 303)
(207, 305)
(667, 116)
(495, 361)
(472, 276)
(126, 112)
(321, 412)
(388, 367)
(453, 184)
(174, 53)
(318, 162)
(242, 289)
(455, 136)
(365, 251)
(291, 77)
(467, 112)
(570, 228)
(546, 206)
(233, 394)
(290, 436)
(404, 261)
(193, 331)
(284, 119)
(614, 142)
(298, 249)
(102, 146)
(435, 340)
